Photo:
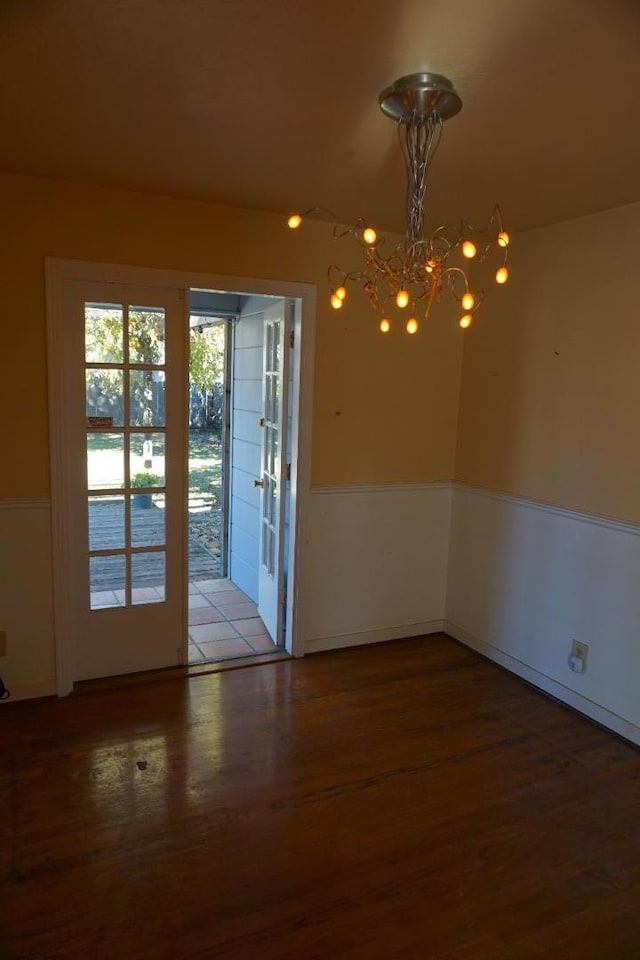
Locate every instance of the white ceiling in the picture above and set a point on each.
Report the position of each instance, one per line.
(272, 104)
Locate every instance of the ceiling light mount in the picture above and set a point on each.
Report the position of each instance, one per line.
(421, 269)
(419, 95)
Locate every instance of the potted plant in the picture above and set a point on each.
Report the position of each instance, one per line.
(143, 501)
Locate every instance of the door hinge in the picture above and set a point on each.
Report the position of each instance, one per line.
(292, 338)
(288, 471)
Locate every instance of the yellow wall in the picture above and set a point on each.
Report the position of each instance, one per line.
(385, 408)
(550, 395)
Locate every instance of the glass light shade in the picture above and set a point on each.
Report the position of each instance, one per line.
(412, 325)
(341, 292)
(503, 238)
(369, 235)
(468, 301)
(502, 275)
(465, 321)
(294, 221)
(402, 298)
(385, 325)
(336, 302)
(469, 249)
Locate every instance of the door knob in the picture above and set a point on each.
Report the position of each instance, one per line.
(258, 483)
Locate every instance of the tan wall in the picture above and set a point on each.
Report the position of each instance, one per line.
(385, 408)
(550, 395)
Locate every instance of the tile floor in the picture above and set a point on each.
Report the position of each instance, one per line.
(224, 623)
(116, 598)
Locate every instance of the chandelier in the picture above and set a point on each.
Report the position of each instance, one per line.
(421, 269)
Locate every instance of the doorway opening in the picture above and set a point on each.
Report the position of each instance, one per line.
(240, 415)
(119, 398)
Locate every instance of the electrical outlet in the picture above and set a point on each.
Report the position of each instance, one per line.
(579, 651)
(3, 643)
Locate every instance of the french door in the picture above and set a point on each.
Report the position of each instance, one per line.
(273, 473)
(124, 422)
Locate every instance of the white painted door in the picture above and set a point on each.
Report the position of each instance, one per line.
(273, 477)
(125, 424)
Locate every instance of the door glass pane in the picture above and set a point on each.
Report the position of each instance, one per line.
(268, 353)
(105, 460)
(276, 398)
(268, 446)
(276, 347)
(272, 508)
(272, 553)
(146, 459)
(107, 577)
(148, 520)
(272, 393)
(148, 577)
(103, 329)
(146, 335)
(146, 398)
(104, 396)
(106, 523)
(266, 537)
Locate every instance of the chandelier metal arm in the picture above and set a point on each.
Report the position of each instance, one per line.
(419, 139)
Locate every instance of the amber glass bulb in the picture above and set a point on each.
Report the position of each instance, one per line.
(468, 301)
(502, 275)
(369, 235)
(465, 321)
(341, 292)
(503, 238)
(294, 221)
(335, 301)
(412, 325)
(385, 325)
(469, 249)
(402, 298)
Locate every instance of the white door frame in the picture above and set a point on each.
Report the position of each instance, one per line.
(58, 272)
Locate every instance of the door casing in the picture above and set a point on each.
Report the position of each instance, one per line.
(58, 272)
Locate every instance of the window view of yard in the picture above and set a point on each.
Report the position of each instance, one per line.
(106, 448)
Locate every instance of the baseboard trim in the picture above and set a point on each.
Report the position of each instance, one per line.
(379, 635)
(559, 691)
(30, 691)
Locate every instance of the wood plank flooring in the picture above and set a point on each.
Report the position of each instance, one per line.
(408, 800)
(106, 532)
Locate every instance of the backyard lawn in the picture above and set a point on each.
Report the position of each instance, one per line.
(105, 461)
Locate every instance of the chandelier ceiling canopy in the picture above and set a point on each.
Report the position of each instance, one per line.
(421, 269)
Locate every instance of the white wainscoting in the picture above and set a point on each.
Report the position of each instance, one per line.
(525, 578)
(377, 562)
(26, 602)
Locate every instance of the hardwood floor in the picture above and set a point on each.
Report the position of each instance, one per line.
(408, 800)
